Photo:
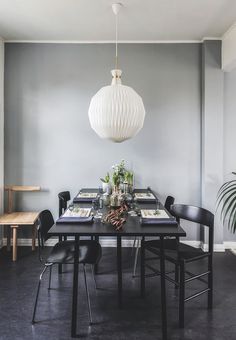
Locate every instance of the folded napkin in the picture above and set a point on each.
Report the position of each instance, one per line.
(77, 215)
(85, 197)
(169, 221)
(160, 216)
(77, 220)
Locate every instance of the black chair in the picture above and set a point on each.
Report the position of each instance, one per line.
(168, 202)
(181, 254)
(64, 197)
(63, 252)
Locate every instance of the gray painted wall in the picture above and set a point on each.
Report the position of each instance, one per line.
(212, 131)
(1, 133)
(48, 140)
(229, 133)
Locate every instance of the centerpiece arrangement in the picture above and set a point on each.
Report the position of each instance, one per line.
(117, 186)
(117, 189)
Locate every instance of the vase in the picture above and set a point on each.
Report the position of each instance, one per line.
(106, 199)
(106, 188)
(130, 188)
(116, 199)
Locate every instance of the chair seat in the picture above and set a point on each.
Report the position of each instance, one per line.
(63, 252)
(185, 251)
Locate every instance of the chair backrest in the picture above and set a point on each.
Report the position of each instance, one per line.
(64, 197)
(195, 214)
(46, 221)
(169, 202)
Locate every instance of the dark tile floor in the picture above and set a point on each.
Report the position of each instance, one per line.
(139, 318)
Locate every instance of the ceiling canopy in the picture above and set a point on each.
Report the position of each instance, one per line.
(92, 20)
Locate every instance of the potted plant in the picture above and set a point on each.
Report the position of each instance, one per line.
(119, 171)
(106, 186)
(129, 179)
(227, 197)
(115, 197)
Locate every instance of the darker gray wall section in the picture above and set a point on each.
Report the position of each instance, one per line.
(48, 139)
(212, 130)
(229, 134)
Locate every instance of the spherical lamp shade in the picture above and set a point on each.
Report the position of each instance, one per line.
(116, 112)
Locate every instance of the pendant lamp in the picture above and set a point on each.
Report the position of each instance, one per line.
(116, 112)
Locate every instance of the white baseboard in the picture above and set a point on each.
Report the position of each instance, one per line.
(111, 242)
(218, 247)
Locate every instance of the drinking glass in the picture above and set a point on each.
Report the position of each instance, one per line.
(71, 207)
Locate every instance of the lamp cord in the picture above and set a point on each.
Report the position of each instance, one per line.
(116, 63)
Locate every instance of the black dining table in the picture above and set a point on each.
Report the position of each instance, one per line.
(132, 228)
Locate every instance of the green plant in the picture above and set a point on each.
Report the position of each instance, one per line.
(115, 179)
(106, 179)
(129, 176)
(227, 196)
(119, 169)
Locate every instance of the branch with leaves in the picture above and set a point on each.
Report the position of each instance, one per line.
(116, 217)
(106, 179)
(227, 197)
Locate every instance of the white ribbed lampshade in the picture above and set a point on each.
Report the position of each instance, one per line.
(116, 112)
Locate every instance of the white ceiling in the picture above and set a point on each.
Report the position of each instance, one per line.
(93, 20)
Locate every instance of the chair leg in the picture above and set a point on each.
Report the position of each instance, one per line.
(60, 265)
(142, 269)
(94, 279)
(176, 275)
(37, 294)
(210, 283)
(133, 246)
(50, 277)
(96, 238)
(87, 295)
(136, 259)
(181, 294)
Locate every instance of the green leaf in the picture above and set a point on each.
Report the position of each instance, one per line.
(224, 194)
(227, 186)
(232, 204)
(227, 200)
(227, 195)
(222, 188)
(232, 224)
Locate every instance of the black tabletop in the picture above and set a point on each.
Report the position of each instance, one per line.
(132, 227)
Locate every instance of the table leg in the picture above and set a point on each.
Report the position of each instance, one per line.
(9, 210)
(96, 265)
(14, 253)
(142, 269)
(10, 201)
(60, 265)
(119, 271)
(75, 288)
(163, 289)
(8, 232)
(33, 236)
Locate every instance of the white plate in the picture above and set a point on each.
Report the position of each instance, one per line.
(77, 212)
(87, 195)
(159, 213)
(144, 196)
